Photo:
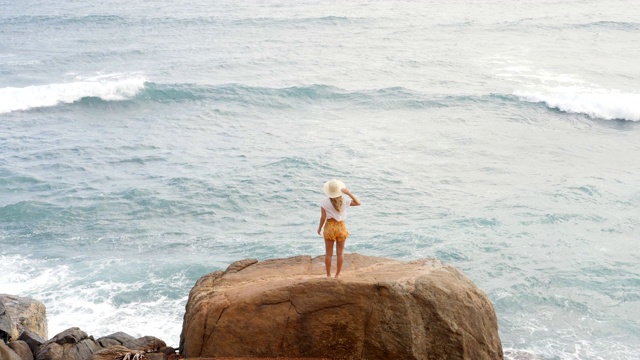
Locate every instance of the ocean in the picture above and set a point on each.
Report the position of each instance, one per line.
(145, 144)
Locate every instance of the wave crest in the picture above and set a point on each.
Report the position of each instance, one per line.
(600, 104)
(35, 96)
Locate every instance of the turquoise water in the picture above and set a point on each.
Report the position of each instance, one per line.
(143, 145)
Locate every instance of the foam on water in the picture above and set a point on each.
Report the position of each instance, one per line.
(25, 275)
(73, 299)
(105, 87)
(596, 103)
(566, 92)
(578, 349)
(160, 317)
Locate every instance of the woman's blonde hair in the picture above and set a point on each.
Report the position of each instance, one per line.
(337, 203)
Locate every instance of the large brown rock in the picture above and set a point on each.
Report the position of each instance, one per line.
(26, 313)
(379, 309)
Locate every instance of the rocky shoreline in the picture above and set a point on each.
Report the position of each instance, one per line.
(285, 308)
(23, 335)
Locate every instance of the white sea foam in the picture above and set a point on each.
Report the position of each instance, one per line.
(566, 92)
(105, 87)
(96, 307)
(25, 275)
(160, 317)
(596, 103)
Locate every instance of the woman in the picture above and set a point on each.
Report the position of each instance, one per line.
(334, 212)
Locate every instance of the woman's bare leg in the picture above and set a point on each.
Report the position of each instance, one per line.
(328, 246)
(340, 253)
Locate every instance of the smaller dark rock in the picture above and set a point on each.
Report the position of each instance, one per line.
(175, 357)
(86, 348)
(71, 344)
(107, 342)
(70, 336)
(145, 343)
(156, 356)
(22, 349)
(167, 350)
(111, 353)
(32, 339)
(120, 337)
(6, 325)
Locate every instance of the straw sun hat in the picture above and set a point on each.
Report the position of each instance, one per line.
(333, 188)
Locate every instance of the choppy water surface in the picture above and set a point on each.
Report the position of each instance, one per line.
(143, 145)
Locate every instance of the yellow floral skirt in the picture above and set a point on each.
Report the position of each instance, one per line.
(335, 230)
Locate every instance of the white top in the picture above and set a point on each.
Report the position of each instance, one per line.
(332, 213)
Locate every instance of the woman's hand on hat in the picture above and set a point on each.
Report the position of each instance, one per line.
(345, 191)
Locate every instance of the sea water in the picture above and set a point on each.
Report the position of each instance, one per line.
(145, 144)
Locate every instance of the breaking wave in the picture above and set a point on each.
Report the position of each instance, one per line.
(111, 87)
(599, 104)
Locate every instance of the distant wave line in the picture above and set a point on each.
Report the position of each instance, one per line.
(288, 97)
(528, 24)
(136, 88)
(200, 20)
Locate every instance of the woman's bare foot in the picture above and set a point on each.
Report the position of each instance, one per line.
(337, 276)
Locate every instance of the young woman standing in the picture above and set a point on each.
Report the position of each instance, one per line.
(333, 214)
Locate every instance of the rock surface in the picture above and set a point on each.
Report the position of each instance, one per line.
(27, 318)
(115, 352)
(32, 339)
(7, 353)
(22, 349)
(71, 344)
(146, 343)
(6, 324)
(118, 338)
(26, 313)
(379, 309)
